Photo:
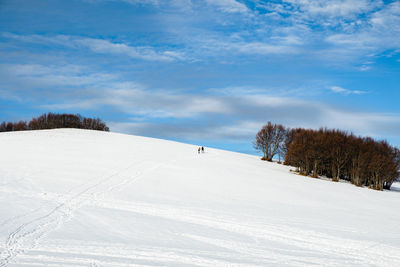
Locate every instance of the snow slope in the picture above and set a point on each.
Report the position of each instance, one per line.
(85, 198)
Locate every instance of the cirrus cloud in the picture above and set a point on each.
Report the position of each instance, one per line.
(343, 91)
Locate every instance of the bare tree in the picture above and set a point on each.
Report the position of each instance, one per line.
(339, 152)
(3, 126)
(20, 126)
(270, 140)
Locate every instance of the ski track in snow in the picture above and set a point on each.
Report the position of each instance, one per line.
(28, 234)
(309, 244)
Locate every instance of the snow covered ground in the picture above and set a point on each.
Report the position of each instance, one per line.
(85, 198)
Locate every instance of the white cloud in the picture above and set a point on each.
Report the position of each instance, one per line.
(289, 39)
(335, 8)
(381, 32)
(234, 115)
(135, 100)
(259, 48)
(102, 46)
(250, 115)
(229, 6)
(37, 75)
(335, 31)
(343, 91)
(227, 46)
(146, 53)
(132, 2)
(365, 68)
(359, 40)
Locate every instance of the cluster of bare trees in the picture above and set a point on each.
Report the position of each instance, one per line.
(13, 126)
(334, 154)
(52, 121)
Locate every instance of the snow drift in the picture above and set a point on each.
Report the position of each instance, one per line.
(85, 198)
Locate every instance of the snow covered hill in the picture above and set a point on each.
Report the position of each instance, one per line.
(85, 198)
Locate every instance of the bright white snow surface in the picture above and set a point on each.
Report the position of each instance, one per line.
(85, 198)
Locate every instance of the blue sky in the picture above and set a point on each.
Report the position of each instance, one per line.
(208, 72)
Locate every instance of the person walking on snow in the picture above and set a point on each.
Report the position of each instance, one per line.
(202, 149)
(198, 150)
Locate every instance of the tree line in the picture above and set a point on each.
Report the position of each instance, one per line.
(332, 153)
(53, 121)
